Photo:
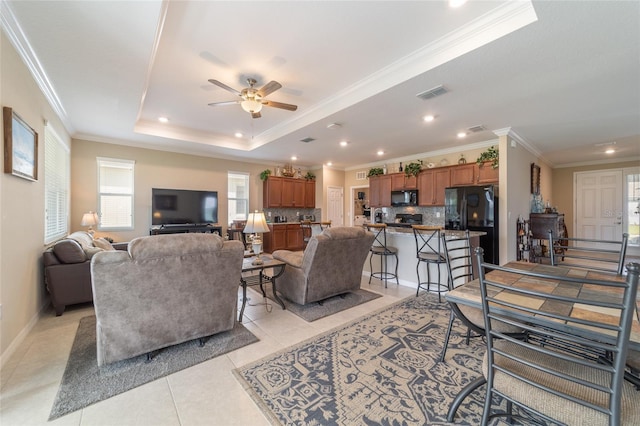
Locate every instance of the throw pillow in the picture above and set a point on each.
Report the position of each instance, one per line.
(103, 244)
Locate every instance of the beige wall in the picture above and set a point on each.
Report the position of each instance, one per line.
(562, 188)
(154, 169)
(22, 292)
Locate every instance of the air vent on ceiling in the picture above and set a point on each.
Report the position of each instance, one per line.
(432, 93)
(307, 140)
(476, 129)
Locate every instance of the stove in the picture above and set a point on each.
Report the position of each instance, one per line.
(405, 220)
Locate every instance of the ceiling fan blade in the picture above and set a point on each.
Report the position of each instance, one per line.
(224, 103)
(224, 86)
(280, 105)
(268, 88)
(255, 115)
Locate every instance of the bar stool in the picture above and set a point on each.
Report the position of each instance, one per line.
(428, 252)
(307, 232)
(324, 225)
(380, 248)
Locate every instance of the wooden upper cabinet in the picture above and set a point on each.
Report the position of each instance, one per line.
(310, 194)
(380, 191)
(485, 173)
(431, 185)
(463, 175)
(272, 192)
(400, 181)
(287, 192)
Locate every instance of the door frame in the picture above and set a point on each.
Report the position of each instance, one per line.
(341, 204)
(352, 192)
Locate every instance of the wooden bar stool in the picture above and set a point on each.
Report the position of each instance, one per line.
(380, 248)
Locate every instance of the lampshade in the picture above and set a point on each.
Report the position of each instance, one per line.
(256, 223)
(251, 105)
(89, 219)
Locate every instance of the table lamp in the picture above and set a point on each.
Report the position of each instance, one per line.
(90, 219)
(256, 224)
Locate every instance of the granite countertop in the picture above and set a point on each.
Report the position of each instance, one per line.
(448, 232)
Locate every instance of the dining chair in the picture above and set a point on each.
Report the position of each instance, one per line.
(458, 254)
(601, 255)
(429, 253)
(555, 384)
(384, 250)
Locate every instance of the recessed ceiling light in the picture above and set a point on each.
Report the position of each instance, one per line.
(238, 135)
(461, 135)
(610, 151)
(428, 118)
(329, 164)
(294, 158)
(163, 119)
(456, 3)
(381, 152)
(344, 143)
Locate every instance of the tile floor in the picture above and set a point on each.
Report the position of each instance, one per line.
(205, 394)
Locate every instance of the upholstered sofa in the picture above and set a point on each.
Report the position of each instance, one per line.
(165, 290)
(67, 269)
(330, 265)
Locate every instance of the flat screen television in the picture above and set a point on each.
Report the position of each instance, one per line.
(183, 207)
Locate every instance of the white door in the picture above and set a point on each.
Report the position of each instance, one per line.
(599, 206)
(335, 205)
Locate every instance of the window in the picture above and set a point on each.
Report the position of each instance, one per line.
(56, 186)
(238, 195)
(115, 194)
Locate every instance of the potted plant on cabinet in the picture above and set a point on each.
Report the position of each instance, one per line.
(491, 154)
(310, 176)
(265, 174)
(375, 171)
(413, 169)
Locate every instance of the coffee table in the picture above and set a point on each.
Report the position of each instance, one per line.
(255, 275)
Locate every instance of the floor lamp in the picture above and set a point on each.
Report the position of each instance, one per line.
(256, 224)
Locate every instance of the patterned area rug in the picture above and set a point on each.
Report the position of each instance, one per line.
(382, 369)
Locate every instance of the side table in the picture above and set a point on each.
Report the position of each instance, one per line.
(255, 275)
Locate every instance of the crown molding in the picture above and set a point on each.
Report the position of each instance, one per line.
(20, 42)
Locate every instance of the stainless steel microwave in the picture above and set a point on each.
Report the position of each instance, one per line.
(404, 198)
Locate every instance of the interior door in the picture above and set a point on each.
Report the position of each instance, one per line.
(599, 206)
(335, 203)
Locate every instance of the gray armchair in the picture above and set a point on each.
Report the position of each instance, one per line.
(330, 265)
(167, 289)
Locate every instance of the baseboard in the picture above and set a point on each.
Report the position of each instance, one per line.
(8, 353)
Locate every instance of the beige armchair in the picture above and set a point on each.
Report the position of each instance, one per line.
(330, 265)
(167, 289)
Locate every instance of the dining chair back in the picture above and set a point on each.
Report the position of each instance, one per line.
(602, 255)
(547, 375)
(307, 232)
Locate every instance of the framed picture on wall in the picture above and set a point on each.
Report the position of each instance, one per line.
(20, 146)
(535, 179)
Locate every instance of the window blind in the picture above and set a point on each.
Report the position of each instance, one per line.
(238, 195)
(56, 183)
(115, 189)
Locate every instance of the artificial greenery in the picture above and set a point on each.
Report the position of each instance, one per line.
(265, 174)
(491, 154)
(309, 176)
(375, 171)
(412, 169)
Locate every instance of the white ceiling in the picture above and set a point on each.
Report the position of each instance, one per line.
(563, 76)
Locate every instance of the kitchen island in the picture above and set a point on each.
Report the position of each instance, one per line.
(402, 238)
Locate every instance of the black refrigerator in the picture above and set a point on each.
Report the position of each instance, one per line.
(475, 208)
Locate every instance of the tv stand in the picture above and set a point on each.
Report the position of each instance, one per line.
(185, 228)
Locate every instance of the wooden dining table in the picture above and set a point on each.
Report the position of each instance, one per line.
(469, 294)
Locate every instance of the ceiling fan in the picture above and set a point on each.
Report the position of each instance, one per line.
(252, 98)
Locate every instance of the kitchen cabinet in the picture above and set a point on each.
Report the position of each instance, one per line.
(400, 181)
(310, 194)
(283, 236)
(288, 192)
(431, 185)
(485, 173)
(463, 175)
(380, 191)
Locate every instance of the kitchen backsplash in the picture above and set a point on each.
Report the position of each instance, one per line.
(292, 214)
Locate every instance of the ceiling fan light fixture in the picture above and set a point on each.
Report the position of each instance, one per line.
(251, 105)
